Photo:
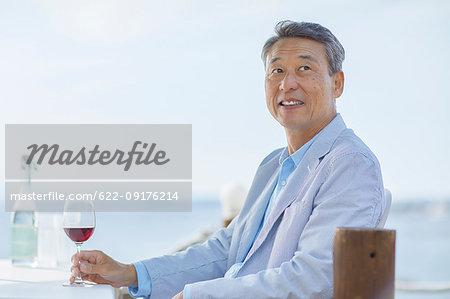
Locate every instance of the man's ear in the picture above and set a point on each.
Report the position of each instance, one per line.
(338, 84)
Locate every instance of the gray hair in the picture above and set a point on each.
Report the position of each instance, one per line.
(333, 49)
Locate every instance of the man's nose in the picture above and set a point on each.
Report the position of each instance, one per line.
(289, 82)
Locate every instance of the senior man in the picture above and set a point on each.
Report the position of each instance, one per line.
(280, 245)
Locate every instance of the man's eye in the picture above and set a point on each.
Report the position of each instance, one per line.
(277, 71)
(304, 68)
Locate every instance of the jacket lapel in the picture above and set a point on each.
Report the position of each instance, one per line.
(254, 218)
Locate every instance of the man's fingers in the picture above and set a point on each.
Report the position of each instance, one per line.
(74, 259)
(89, 277)
(86, 276)
(90, 255)
(89, 268)
(74, 270)
(75, 273)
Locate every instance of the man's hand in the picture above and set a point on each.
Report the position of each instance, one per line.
(178, 296)
(97, 267)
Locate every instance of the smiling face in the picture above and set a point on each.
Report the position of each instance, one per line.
(300, 92)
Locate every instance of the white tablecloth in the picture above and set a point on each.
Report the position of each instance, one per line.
(20, 282)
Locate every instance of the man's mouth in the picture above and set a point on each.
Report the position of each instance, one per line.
(291, 103)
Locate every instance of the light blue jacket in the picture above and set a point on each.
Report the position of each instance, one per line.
(337, 184)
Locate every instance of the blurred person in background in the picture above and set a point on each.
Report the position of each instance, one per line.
(232, 196)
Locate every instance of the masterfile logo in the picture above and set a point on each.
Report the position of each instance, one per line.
(91, 157)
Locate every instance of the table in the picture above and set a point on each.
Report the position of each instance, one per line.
(21, 282)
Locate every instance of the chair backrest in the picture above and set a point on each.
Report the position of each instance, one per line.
(388, 201)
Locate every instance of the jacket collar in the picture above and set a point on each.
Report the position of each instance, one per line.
(327, 137)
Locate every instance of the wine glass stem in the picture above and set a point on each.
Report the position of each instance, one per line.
(78, 278)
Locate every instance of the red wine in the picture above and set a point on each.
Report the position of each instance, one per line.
(79, 234)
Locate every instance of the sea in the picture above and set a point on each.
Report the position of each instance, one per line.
(422, 238)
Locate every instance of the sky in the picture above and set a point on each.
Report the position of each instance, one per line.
(198, 62)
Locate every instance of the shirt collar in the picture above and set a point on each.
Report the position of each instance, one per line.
(299, 154)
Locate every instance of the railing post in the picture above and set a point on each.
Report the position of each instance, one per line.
(364, 263)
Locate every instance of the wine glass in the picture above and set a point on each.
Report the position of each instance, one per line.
(79, 224)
